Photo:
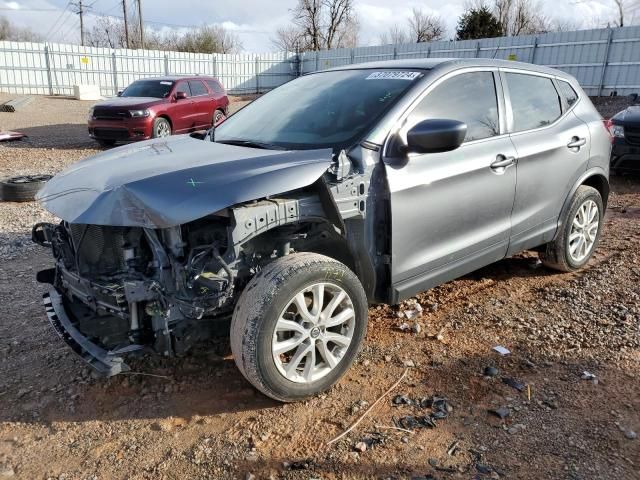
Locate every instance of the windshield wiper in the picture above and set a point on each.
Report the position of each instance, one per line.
(251, 144)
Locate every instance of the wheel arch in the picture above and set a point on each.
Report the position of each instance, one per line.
(167, 118)
(596, 178)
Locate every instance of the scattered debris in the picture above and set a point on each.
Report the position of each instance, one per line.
(502, 412)
(360, 447)
(297, 465)
(490, 371)
(453, 447)
(409, 363)
(10, 136)
(386, 427)
(630, 434)
(588, 376)
(355, 424)
(515, 428)
(502, 350)
(512, 382)
(483, 469)
(404, 327)
(402, 400)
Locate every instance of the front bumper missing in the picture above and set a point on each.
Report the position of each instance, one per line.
(103, 361)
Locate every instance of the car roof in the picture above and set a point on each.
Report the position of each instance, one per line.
(451, 64)
(171, 78)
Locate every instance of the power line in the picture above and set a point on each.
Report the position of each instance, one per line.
(53, 25)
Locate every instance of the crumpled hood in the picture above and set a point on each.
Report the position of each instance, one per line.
(162, 183)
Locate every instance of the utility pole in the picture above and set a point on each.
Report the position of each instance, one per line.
(126, 23)
(80, 12)
(141, 24)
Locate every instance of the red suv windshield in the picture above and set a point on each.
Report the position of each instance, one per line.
(148, 88)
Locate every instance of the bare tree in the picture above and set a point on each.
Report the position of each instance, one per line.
(320, 24)
(290, 39)
(395, 35)
(425, 27)
(109, 32)
(8, 31)
(521, 17)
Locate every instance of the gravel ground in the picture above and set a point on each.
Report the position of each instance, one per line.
(198, 418)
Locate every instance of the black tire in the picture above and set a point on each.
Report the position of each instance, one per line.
(106, 142)
(259, 307)
(22, 188)
(161, 125)
(218, 117)
(556, 254)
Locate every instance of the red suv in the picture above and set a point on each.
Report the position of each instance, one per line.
(158, 107)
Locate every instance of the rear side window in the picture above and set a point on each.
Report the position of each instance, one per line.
(183, 87)
(469, 98)
(534, 101)
(215, 87)
(197, 88)
(567, 92)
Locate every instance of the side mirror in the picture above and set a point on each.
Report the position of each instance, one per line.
(119, 93)
(436, 135)
(181, 95)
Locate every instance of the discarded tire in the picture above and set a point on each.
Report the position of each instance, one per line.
(22, 188)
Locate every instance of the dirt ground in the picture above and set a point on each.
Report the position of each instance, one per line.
(196, 417)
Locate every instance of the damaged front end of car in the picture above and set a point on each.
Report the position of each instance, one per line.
(156, 277)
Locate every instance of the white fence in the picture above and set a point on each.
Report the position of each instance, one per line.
(603, 61)
(53, 69)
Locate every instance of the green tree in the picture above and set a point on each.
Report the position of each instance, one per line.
(478, 23)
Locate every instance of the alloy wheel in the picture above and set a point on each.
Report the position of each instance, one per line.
(584, 231)
(313, 333)
(163, 130)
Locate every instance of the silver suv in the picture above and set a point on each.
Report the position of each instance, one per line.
(346, 187)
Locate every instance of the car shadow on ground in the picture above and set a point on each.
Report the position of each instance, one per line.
(64, 136)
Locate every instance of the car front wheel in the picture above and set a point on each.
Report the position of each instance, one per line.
(579, 234)
(161, 128)
(298, 326)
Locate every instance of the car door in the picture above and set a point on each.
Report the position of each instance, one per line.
(181, 111)
(552, 146)
(451, 211)
(203, 104)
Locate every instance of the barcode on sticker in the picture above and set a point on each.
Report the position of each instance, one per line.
(393, 75)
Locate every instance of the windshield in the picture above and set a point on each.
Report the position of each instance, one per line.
(327, 109)
(148, 88)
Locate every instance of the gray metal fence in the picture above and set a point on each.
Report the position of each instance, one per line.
(53, 69)
(603, 61)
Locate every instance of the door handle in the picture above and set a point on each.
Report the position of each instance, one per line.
(503, 162)
(576, 143)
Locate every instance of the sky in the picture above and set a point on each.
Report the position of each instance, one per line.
(255, 21)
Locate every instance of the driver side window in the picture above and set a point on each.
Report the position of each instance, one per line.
(469, 98)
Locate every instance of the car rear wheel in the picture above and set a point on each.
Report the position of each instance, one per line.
(218, 117)
(298, 326)
(580, 232)
(161, 128)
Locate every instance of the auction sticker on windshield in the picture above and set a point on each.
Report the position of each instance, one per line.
(394, 75)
